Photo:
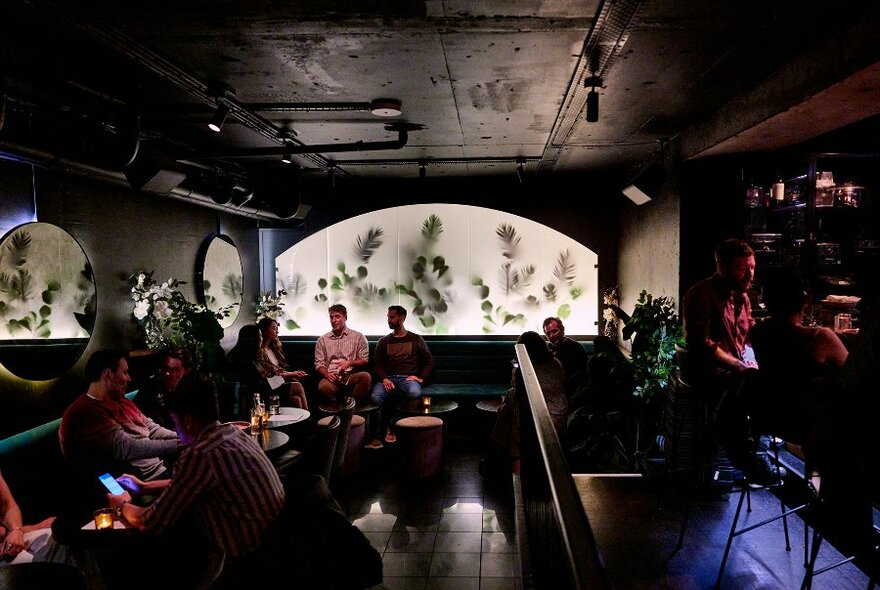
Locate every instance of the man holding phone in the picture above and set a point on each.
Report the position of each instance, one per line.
(222, 477)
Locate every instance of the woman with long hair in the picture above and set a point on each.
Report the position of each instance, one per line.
(273, 362)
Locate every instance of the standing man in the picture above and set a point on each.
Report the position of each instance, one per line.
(402, 362)
(102, 430)
(176, 365)
(717, 320)
(567, 351)
(340, 357)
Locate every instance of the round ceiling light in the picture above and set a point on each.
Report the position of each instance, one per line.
(385, 107)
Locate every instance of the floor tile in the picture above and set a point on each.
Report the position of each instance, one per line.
(505, 584)
(498, 522)
(498, 543)
(467, 504)
(458, 542)
(375, 522)
(417, 522)
(498, 565)
(378, 539)
(402, 583)
(455, 564)
(406, 564)
(416, 541)
(452, 584)
(461, 522)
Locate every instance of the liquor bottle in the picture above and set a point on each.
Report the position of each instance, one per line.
(256, 414)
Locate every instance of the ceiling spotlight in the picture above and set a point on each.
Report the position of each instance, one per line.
(219, 118)
(287, 158)
(520, 171)
(423, 170)
(385, 107)
(593, 98)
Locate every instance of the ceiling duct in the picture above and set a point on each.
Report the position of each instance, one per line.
(291, 149)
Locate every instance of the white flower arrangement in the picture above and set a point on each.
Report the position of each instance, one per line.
(169, 319)
(611, 299)
(270, 305)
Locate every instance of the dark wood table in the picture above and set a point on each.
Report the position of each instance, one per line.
(415, 407)
(288, 416)
(270, 440)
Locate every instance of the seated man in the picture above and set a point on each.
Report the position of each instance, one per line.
(102, 430)
(177, 364)
(402, 362)
(340, 357)
(222, 478)
(569, 352)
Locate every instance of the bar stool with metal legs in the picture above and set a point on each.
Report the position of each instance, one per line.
(745, 496)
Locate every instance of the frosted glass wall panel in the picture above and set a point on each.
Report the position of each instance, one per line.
(457, 269)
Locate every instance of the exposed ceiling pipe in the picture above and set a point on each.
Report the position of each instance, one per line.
(357, 146)
(52, 162)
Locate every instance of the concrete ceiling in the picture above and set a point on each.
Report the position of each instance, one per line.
(482, 85)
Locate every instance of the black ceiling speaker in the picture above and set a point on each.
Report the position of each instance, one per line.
(280, 190)
(153, 172)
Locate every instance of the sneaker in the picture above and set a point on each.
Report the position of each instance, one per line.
(764, 472)
(374, 444)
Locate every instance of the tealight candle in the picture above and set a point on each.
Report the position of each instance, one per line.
(104, 518)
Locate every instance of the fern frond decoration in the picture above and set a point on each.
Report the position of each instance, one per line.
(508, 277)
(564, 271)
(432, 228)
(367, 245)
(509, 238)
(232, 286)
(19, 245)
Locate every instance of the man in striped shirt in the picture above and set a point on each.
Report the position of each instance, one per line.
(341, 356)
(222, 479)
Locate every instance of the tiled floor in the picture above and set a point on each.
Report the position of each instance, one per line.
(457, 531)
(454, 531)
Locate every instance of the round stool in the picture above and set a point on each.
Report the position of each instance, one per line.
(356, 434)
(420, 442)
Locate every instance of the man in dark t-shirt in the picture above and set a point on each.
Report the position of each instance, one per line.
(402, 362)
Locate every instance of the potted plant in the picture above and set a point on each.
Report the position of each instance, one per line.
(655, 331)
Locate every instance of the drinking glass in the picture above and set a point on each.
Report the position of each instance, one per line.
(103, 518)
(274, 404)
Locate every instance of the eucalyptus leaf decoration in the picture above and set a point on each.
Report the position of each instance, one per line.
(354, 285)
(429, 280)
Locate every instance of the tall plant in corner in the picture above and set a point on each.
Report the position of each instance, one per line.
(654, 330)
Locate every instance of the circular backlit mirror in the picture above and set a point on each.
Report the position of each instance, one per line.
(47, 301)
(219, 278)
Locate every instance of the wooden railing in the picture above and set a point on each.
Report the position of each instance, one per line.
(560, 549)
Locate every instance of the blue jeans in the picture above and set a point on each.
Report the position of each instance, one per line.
(387, 400)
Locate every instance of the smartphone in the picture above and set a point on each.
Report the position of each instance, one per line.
(111, 484)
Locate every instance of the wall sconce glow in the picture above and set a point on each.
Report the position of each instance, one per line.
(457, 269)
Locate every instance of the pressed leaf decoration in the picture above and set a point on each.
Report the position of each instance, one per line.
(508, 236)
(432, 228)
(564, 271)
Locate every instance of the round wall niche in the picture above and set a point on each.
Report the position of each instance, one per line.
(48, 301)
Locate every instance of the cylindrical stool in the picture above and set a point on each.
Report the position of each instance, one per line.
(356, 434)
(420, 443)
